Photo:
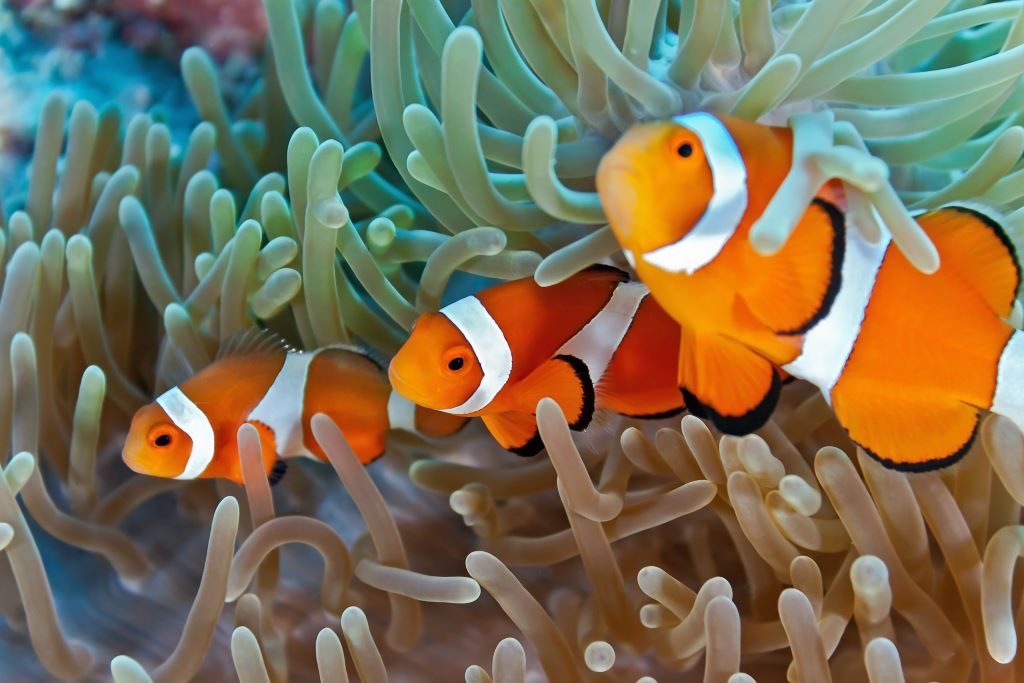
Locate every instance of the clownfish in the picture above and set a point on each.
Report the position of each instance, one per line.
(189, 431)
(594, 341)
(906, 359)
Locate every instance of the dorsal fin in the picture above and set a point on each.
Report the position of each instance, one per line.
(366, 353)
(253, 340)
(970, 239)
(604, 270)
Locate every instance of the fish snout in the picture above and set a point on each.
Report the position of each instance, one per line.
(398, 384)
(133, 455)
(617, 183)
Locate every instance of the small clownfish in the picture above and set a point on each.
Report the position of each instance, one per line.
(189, 432)
(906, 359)
(594, 341)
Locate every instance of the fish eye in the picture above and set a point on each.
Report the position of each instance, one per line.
(684, 150)
(456, 358)
(161, 437)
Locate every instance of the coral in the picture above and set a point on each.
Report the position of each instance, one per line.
(80, 60)
(390, 155)
(235, 28)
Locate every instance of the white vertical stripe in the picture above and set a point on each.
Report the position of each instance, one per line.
(282, 406)
(1009, 395)
(187, 416)
(490, 346)
(725, 210)
(401, 412)
(828, 345)
(596, 342)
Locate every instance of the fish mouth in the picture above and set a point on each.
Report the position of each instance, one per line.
(409, 392)
(403, 388)
(133, 462)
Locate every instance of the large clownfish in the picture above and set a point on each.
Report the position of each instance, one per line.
(906, 359)
(594, 341)
(189, 431)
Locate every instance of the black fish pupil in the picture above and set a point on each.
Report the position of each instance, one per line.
(456, 363)
(685, 149)
(163, 440)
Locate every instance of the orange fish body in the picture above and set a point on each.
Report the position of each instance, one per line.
(595, 341)
(906, 359)
(189, 432)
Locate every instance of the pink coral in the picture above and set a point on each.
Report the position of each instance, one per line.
(223, 27)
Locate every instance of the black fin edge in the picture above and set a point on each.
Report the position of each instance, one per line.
(738, 425)
(277, 472)
(1000, 233)
(589, 398)
(532, 447)
(927, 465)
(604, 267)
(694, 404)
(664, 414)
(835, 279)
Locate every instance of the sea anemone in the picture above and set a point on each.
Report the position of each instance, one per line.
(391, 155)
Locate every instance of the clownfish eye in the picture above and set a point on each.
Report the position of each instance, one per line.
(161, 437)
(684, 150)
(456, 358)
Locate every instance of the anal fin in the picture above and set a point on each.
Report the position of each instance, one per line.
(726, 382)
(515, 431)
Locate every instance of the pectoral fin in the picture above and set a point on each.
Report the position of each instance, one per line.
(724, 381)
(515, 431)
(792, 290)
(438, 425)
(564, 379)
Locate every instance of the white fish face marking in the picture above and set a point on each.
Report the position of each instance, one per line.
(187, 417)
(490, 346)
(401, 413)
(702, 244)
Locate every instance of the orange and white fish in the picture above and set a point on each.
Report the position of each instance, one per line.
(594, 341)
(189, 431)
(906, 359)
